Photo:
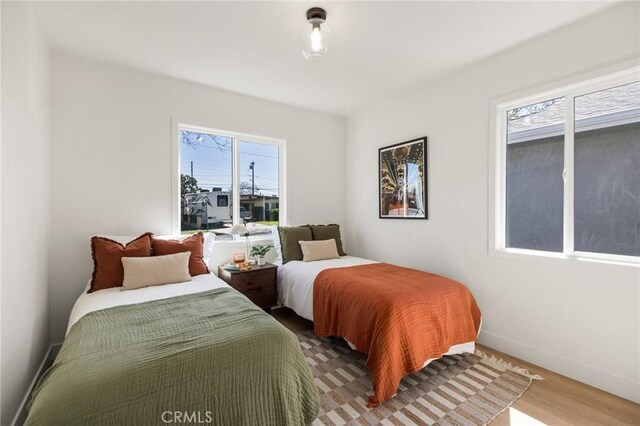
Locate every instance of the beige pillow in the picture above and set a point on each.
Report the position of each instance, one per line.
(319, 250)
(155, 270)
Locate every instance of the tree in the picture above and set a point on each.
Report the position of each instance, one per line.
(195, 140)
(245, 188)
(188, 184)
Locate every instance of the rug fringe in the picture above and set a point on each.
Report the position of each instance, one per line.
(501, 364)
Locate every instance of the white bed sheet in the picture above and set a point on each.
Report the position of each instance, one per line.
(296, 278)
(295, 291)
(103, 299)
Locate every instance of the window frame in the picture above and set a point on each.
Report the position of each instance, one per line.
(621, 74)
(178, 124)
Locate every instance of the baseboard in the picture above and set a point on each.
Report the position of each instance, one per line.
(617, 385)
(21, 415)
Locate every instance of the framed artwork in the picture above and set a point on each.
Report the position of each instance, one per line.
(402, 180)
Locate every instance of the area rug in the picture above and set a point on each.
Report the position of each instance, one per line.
(454, 390)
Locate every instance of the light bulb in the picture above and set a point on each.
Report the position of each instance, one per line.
(316, 39)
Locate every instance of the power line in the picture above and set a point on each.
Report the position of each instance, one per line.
(225, 150)
(258, 155)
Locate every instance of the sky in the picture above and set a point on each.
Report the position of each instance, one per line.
(212, 162)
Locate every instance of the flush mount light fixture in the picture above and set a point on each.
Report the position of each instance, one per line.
(316, 38)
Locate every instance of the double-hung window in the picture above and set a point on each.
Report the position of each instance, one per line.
(567, 177)
(226, 178)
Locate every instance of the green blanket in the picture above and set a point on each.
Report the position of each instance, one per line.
(205, 358)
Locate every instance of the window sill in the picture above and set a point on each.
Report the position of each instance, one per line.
(229, 239)
(610, 259)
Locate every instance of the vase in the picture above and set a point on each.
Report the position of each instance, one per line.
(261, 261)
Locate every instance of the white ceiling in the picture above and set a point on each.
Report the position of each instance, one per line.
(378, 48)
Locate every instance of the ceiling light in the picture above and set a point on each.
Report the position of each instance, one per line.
(316, 38)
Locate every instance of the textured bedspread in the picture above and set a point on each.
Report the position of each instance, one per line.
(399, 317)
(210, 357)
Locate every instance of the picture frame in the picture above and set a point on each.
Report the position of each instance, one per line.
(402, 180)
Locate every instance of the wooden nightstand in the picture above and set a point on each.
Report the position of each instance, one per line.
(259, 284)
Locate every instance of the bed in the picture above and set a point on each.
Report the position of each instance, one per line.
(401, 318)
(296, 278)
(196, 351)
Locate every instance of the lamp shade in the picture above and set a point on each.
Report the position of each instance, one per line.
(239, 229)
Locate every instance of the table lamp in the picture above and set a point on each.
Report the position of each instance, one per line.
(240, 229)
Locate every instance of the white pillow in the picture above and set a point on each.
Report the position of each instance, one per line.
(155, 270)
(319, 250)
(277, 248)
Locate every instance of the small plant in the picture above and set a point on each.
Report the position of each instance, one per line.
(260, 250)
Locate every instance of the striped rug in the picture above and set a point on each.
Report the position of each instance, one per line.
(455, 390)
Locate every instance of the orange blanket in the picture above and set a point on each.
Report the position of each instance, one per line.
(399, 317)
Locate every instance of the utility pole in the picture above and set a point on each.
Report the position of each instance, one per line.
(252, 166)
(192, 169)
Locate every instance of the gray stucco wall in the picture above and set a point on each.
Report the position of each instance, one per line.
(606, 186)
(534, 194)
(607, 190)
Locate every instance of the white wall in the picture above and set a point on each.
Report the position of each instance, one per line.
(578, 318)
(25, 203)
(111, 159)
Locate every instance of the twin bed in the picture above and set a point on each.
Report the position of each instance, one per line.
(296, 278)
(199, 348)
(401, 318)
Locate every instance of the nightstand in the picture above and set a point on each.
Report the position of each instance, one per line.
(259, 284)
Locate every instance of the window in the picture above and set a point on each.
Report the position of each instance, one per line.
(259, 183)
(607, 171)
(568, 171)
(535, 161)
(223, 201)
(227, 178)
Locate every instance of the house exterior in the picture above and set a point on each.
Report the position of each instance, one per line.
(213, 209)
(263, 208)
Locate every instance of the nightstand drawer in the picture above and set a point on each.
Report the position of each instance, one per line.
(259, 284)
(262, 296)
(252, 280)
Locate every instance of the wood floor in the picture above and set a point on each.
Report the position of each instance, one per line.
(557, 400)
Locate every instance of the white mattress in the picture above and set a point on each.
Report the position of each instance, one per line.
(296, 278)
(103, 299)
(295, 291)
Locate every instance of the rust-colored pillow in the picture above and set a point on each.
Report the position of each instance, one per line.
(194, 244)
(107, 259)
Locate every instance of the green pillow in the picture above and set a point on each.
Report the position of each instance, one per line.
(289, 237)
(328, 232)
